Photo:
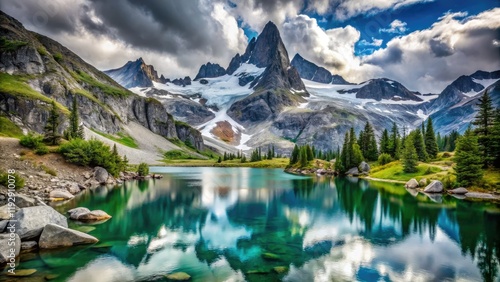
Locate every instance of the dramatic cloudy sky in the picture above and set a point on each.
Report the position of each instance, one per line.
(425, 44)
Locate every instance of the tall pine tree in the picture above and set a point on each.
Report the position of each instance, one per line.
(431, 146)
(484, 121)
(51, 128)
(419, 145)
(384, 143)
(469, 163)
(394, 145)
(75, 129)
(410, 157)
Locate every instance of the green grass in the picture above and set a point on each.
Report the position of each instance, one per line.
(42, 51)
(120, 137)
(178, 155)
(58, 57)
(394, 171)
(9, 129)
(18, 86)
(7, 45)
(274, 163)
(106, 89)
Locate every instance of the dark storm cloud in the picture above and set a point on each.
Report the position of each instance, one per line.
(51, 16)
(440, 48)
(164, 26)
(392, 55)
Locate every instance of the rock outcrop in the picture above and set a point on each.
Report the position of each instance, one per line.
(458, 191)
(411, 184)
(310, 71)
(6, 248)
(435, 186)
(29, 222)
(210, 70)
(134, 74)
(84, 214)
(189, 135)
(383, 88)
(55, 236)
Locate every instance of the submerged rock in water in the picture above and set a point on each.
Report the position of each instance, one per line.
(55, 236)
(459, 191)
(178, 276)
(22, 273)
(30, 221)
(436, 186)
(412, 184)
(29, 246)
(84, 214)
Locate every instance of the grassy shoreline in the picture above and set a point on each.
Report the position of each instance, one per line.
(274, 163)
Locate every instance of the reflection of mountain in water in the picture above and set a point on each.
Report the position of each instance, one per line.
(218, 225)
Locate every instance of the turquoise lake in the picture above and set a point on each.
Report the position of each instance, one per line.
(245, 224)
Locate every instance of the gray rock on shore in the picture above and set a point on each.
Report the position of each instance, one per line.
(61, 194)
(435, 186)
(411, 184)
(5, 248)
(30, 221)
(55, 236)
(458, 191)
(353, 171)
(101, 174)
(365, 167)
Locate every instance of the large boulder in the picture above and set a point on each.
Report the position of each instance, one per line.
(61, 194)
(459, 191)
(6, 211)
(364, 167)
(412, 184)
(29, 222)
(353, 171)
(74, 213)
(100, 174)
(55, 236)
(5, 249)
(435, 186)
(23, 201)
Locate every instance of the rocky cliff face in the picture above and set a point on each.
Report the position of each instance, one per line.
(210, 70)
(42, 70)
(134, 74)
(383, 88)
(457, 90)
(311, 71)
(276, 88)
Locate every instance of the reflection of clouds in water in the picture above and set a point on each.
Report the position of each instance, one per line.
(414, 259)
(103, 269)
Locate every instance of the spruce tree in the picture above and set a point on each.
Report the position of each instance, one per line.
(303, 156)
(410, 157)
(294, 157)
(394, 142)
(483, 122)
(384, 143)
(468, 160)
(273, 152)
(341, 160)
(309, 151)
(51, 128)
(75, 129)
(431, 146)
(269, 153)
(368, 143)
(419, 145)
(496, 140)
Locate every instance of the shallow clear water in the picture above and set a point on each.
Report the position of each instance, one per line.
(237, 224)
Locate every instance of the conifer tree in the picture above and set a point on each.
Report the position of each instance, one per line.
(75, 129)
(243, 159)
(483, 127)
(468, 160)
(294, 157)
(309, 151)
(341, 160)
(269, 153)
(368, 143)
(51, 128)
(419, 144)
(273, 152)
(303, 156)
(394, 142)
(410, 157)
(431, 146)
(384, 143)
(496, 140)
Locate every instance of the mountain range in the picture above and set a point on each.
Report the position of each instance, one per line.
(261, 98)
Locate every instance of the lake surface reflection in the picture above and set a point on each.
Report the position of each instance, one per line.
(243, 224)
